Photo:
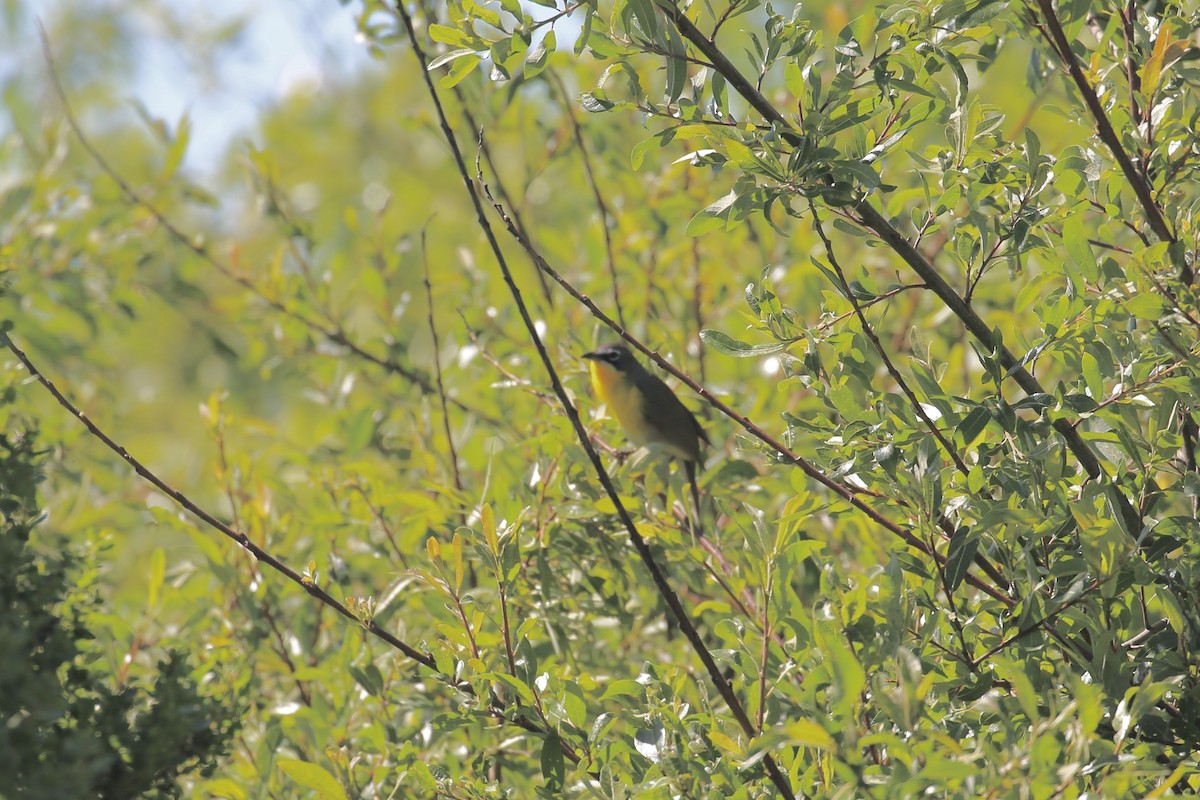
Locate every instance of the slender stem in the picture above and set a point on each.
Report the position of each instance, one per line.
(383, 524)
(437, 364)
(919, 409)
(766, 644)
(955, 622)
(601, 205)
(547, 295)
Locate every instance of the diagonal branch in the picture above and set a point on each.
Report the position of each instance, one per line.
(601, 205)
(979, 329)
(424, 659)
(681, 615)
(883, 228)
(951, 451)
(1104, 128)
(842, 490)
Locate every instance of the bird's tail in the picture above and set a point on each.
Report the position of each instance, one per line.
(697, 526)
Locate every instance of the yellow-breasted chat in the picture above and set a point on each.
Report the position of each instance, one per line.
(646, 409)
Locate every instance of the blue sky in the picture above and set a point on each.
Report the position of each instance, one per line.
(286, 45)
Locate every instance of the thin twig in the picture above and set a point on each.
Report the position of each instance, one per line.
(380, 520)
(1033, 626)
(878, 223)
(437, 363)
(601, 205)
(867, 329)
(952, 614)
(766, 643)
(547, 295)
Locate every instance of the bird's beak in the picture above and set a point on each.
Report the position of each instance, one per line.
(592, 356)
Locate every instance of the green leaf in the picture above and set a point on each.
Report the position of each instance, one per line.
(454, 37)
(638, 154)
(461, 69)
(452, 55)
(1078, 250)
(1145, 306)
(973, 424)
(729, 346)
(313, 777)
(595, 102)
(963, 546)
(1091, 376)
(713, 217)
(625, 686)
(847, 674)
(535, 59)
(960, 77)
(554, 767)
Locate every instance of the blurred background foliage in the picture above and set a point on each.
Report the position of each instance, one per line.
(256, 328)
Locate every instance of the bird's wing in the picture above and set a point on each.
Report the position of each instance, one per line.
(670, 417)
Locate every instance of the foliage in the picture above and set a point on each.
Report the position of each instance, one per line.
(940, 257)
(71, 729)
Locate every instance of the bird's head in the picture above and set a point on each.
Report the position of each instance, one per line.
(616, 356)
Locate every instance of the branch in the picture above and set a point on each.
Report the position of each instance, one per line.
(487, 156)
(979, 329)
(883, 228)
(1104, 129)
(437, 364)
(720, 682)
(842, 490)
(602, 207)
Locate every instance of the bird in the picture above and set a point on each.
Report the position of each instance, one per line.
(646, 409)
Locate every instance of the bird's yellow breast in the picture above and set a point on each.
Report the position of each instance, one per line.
(623, 399)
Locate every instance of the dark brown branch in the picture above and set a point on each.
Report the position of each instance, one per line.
(884, 229)
(979, 329)
(369, 625)
(842, 490)
(724, 688)
(183, 500)
(1104, 129)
